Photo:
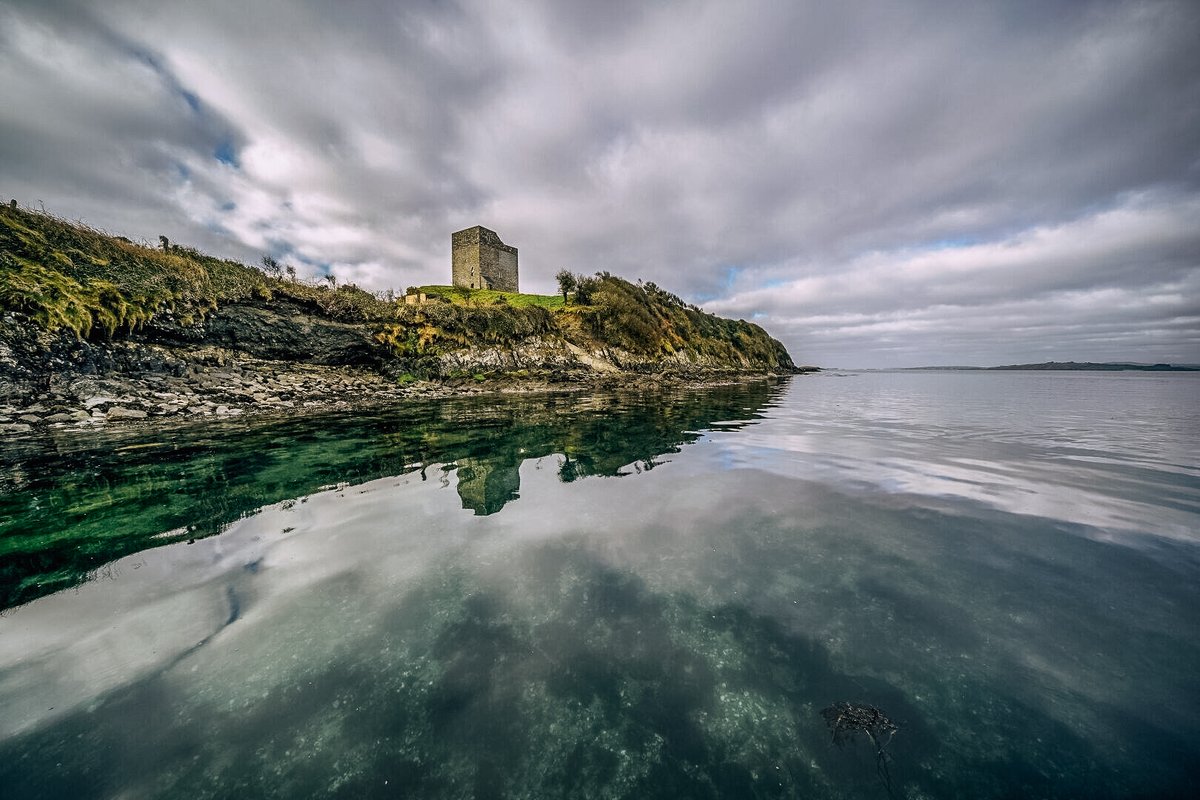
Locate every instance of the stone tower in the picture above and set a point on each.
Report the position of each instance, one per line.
(481, 261)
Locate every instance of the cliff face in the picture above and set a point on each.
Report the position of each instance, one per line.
(281, 329)
(78, 303)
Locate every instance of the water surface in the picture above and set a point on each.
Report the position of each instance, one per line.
(624, 595)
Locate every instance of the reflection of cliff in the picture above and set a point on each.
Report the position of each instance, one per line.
(70, 504)
(486, 485)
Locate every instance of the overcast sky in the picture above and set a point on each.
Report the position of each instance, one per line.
(876, 183)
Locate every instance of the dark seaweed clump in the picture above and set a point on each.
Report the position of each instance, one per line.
(846, 720)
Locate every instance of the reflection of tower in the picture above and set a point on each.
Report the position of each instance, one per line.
(486, 485)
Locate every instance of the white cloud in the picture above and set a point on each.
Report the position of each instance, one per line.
(1135, 267)
(894, 163)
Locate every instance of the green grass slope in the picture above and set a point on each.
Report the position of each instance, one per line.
(461, 296)
(66, 275)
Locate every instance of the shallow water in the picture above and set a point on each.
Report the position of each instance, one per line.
(627, 595)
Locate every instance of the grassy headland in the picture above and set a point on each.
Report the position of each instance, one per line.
(91, 325)
(58, 275)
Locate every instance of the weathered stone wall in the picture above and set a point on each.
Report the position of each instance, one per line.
(481, 261)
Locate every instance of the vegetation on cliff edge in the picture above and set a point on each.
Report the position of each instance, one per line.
(64, 275)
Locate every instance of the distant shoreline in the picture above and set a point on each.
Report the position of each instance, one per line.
(1069, 366)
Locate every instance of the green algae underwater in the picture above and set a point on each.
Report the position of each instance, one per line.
(649, 594)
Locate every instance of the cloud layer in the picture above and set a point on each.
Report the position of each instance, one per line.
(877, 184)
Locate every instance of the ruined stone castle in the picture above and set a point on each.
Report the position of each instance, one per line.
(481, 261)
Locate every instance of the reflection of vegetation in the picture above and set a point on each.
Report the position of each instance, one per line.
(69, 506)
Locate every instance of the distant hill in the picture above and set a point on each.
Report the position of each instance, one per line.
(1081, 366)
(1107, 366)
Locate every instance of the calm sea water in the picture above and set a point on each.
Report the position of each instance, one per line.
(625, 595)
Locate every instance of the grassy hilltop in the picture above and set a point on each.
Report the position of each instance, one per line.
(65, 278)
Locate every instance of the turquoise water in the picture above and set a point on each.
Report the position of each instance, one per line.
(624, 595)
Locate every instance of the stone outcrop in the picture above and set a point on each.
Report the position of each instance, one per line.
(282, 330)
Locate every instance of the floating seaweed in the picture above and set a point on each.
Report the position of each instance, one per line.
(845, 720)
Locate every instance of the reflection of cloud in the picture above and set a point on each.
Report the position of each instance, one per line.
(69, 649)
(926, 536)
(137, 617)
(387, 622)
(1008, 443)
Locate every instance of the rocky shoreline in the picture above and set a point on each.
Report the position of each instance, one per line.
(235, 388)
(213, 383)
(255, 358)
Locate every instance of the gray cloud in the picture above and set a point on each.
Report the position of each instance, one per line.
(878, 184)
